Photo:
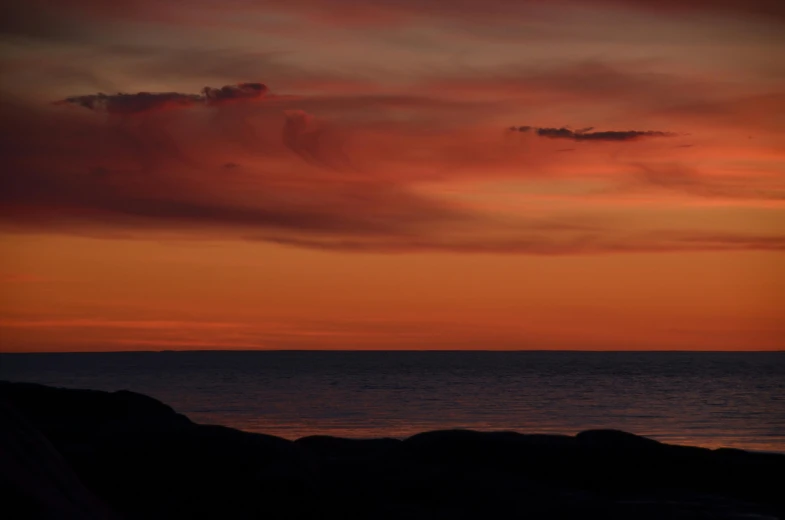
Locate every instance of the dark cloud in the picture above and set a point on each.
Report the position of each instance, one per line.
(64, 172)
(126, 104)
(313, 140)
(46, 200)
(586, 134)
(766, 9)
(45, 18)
(140, 102)
(239, 92)
(501, 11)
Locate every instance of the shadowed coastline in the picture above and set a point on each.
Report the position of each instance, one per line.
(68, 453)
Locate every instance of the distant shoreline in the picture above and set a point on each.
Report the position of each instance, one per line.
(457, 351)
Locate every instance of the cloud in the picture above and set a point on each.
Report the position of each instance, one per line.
(68, 172)
(63, 20)
(132, 103)
(541, 244)
(586, 134)
(301, 135)
(230, 93)
(758, 114)
(679, 178)
(141, 102)
(44, 200)
(500, 11)
(766, 9)
(313, 141)
(176, 173)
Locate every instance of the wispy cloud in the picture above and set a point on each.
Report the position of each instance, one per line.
(346, 173)
(140, 102)
(679, 178)
(586, 134)
(542, 244)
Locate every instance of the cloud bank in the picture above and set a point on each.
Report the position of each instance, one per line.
(257, 166)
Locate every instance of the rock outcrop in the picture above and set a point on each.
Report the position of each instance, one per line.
(142, 459)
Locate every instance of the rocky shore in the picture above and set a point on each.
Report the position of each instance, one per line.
(84, 454)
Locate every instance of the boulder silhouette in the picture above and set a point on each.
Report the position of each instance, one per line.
(37, 482)
(338, 448)
(143, 460)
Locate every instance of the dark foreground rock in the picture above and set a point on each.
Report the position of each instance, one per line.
(88, 454)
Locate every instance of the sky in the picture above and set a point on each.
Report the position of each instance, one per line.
(396, 174)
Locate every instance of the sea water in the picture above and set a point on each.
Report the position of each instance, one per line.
(700, 398)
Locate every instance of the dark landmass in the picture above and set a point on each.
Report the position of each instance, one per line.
(84, 454)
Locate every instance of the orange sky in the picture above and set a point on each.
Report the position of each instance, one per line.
(372, 194)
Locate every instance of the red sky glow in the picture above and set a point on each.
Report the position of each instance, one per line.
(398, 174)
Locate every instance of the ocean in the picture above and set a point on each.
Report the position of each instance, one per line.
(707, 399)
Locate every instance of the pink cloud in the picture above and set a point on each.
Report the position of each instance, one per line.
(347, 174)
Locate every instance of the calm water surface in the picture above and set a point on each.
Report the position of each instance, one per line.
(707, 399)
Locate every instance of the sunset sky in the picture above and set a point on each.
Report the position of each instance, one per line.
(394, 174)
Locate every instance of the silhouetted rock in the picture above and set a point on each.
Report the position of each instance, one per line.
(618, 442)
(498, 449)
(146, 461)
(63, 413)
(36, 481)
(347, 449)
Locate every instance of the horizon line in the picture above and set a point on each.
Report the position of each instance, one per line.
(186, 351)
